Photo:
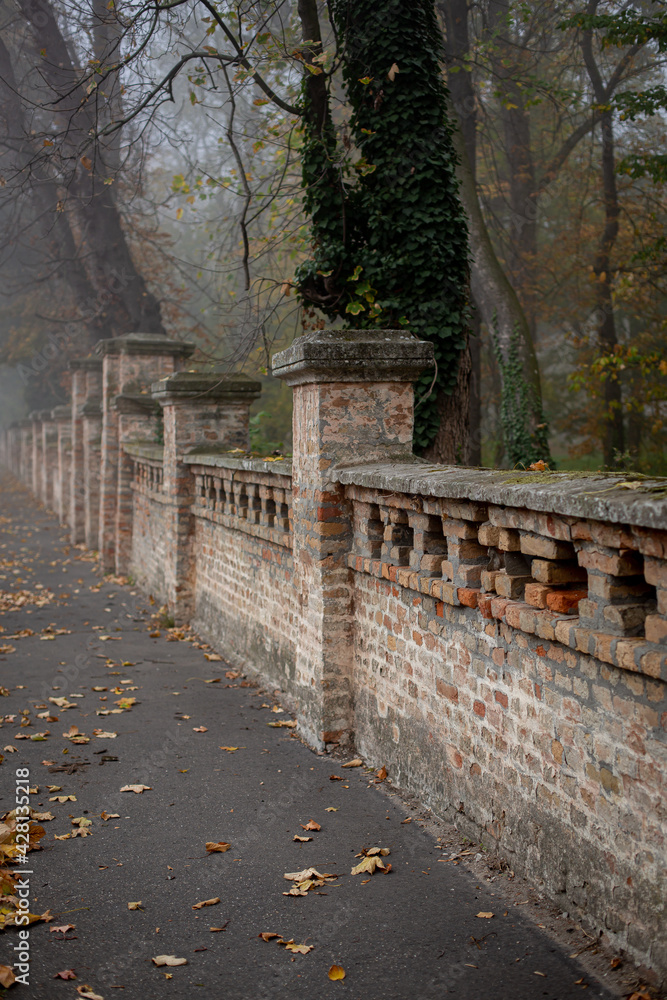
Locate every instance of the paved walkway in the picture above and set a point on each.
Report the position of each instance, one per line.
(414, 933)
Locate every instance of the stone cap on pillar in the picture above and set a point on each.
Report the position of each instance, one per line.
(205, 388)
(44, 415)
(144, 343)
(92, 407)
(61, 413)
(136, 403)
(337, 355)
(85, 364)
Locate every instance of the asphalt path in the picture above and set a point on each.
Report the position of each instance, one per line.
(414, 932)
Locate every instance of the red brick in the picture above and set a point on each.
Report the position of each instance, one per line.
(468, 596)
(501, 698)
(479, 708)
(563, 601)
(446, 690)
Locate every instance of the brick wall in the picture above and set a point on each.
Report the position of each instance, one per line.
(497, 639)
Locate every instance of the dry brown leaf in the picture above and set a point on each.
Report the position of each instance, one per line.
(298, 949)
(87, 993)
(331, 809)
(393, 70)
(169, 960)
(302, 840)
(369, 865)
(7, 976)
(199, 729)
(213, 657)
(65, 974)
(64, 928)
(484, 915)
(381, 775)
(357, 762)
(336, 972)
(231, 749)
(106, 816)
(283, 724)
(206, 902)
(63, 798)
(135, 906)
(336, 777)
(102, 735)
(268, 935)
(220, 846)
(137, 788)
(310, 825)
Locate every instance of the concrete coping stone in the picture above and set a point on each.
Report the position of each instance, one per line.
(337, 355)
(598, 497)
(135, 403)
(85, 364)
(243, 463)
(144, 449)
(206, 387)
(61, 413)
(144, 343)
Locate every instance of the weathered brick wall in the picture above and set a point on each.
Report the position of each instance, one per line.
(497, 639)
(544, 737)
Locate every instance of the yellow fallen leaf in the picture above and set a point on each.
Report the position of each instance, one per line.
(283, 724)
(357, 762)
(484, 915)
(231, 749)
(278, 710)
(135, 906)
(336, 972)
(331, 809)
(214, 847)
(298, 949)
(136, 788)
(206, 902)
(212, 657)
(369, 865)
(169, 960)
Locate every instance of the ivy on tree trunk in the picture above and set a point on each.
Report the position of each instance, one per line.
(389, 236)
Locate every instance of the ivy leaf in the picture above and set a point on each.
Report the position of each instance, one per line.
(355, 308)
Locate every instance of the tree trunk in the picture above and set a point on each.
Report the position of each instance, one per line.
(454, 15)
(94, 219)
(613, 442)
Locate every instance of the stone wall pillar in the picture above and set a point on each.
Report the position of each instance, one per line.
(35, 482)
(353, 404)
(136, 359)
(139, 419)
(86, 382)
(62, 416)
(201, 411)
(25, 456)
(49, 458)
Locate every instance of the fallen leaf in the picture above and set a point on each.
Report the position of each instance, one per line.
(301, 840)
(11, 749)
(136, 788)
(199, 729)
(214, 680)
(102, 735)
(277, 709)
(268, 935)
(231, 749)
(87, 993)
(310, 825)
(206, 902)
(391, 75)
(369, 865)
(357, 762)
(336, 972)
(63, 929)
(298, 949)
(7, 976)
(214, 930)
(336, 777)
(106, 816)
(213, 657)
(135, 906)
(283, 724)
(54, 788)
(484, 915)
(65, 974)
(615, 962)
(543, 974)
(214, 847)
(169, 960)
(331, 809)
(381, 775)
(63, 798)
